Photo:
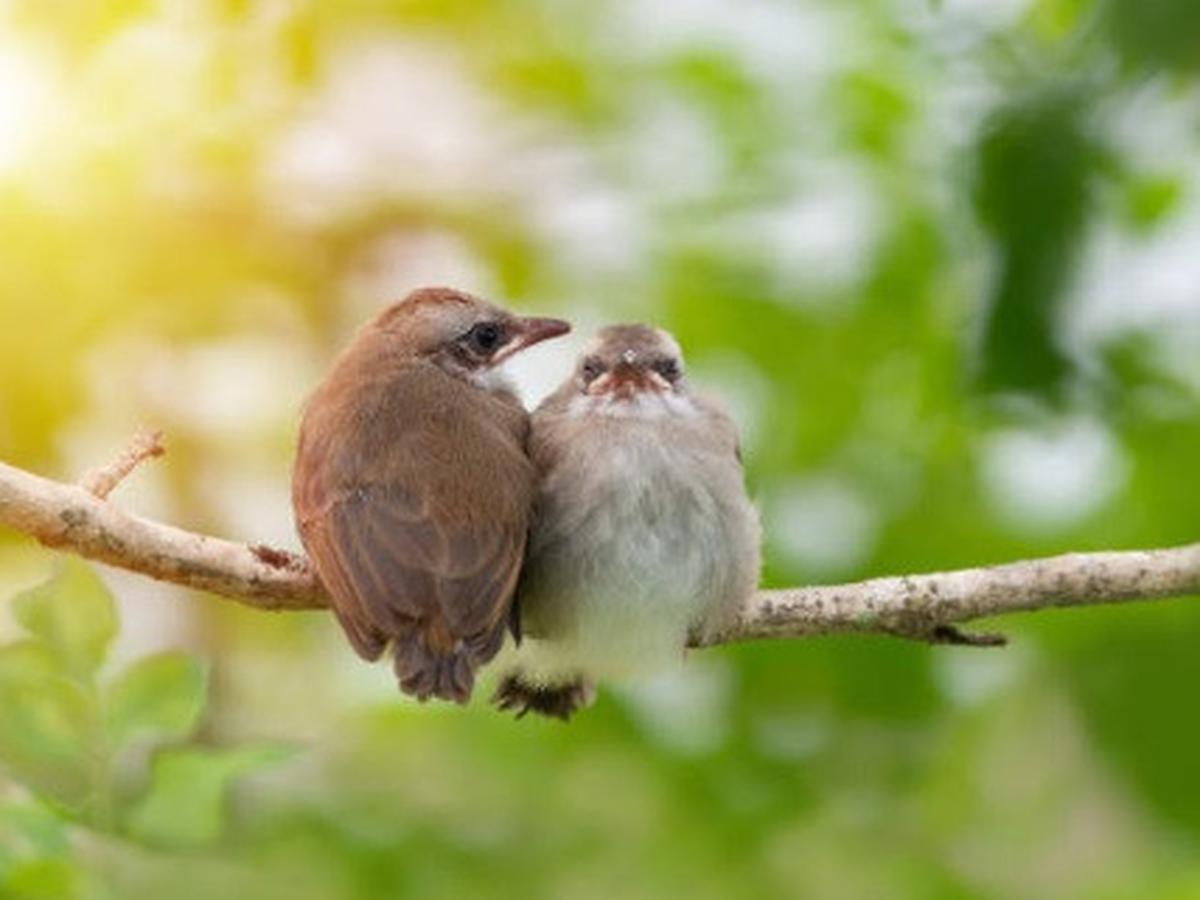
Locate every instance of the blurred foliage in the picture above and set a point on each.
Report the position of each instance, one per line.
(939, 256)
(1037, 168)
(1159, 34)
(77, 745)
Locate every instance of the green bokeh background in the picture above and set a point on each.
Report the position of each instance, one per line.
(939, 257)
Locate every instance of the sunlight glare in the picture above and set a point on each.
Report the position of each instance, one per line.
(24, 86)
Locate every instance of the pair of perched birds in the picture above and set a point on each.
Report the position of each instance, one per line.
(603, 531)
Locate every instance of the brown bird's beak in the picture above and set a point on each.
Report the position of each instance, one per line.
(530, 331)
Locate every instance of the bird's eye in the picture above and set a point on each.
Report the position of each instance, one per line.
(592, 369)
(485, 337)
(668, 368)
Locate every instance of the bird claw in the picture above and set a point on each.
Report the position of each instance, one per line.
(560, 702)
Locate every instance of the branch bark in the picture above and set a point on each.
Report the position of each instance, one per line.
(928, 607)
(71, 518)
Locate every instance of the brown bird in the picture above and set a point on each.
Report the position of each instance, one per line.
(412, 489)
(643, 534)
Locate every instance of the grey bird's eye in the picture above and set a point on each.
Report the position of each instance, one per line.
(485, 337)
(591, 369)
(668, 368)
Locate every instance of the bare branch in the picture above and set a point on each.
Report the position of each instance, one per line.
(71, 518)
(922, 607)
(927, 607)
(146, 444)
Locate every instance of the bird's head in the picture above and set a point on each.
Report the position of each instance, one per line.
(461, 334)
(626, 363)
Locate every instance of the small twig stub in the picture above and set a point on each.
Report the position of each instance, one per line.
(146, 444)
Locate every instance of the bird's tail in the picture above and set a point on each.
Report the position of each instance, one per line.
(429, 663)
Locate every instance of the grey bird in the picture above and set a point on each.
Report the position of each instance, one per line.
(643, 534)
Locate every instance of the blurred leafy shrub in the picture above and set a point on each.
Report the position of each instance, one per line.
(78, 746)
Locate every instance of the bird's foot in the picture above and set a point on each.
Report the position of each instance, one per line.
(515, 694)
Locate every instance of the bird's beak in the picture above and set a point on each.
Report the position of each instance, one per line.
(626, 380)
(530, 331)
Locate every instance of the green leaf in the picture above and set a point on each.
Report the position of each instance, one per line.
(74, 614)
(185, 804)
(1150, 200)
(160, 696)
(45, 725)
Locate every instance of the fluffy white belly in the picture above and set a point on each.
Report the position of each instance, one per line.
(638, 557)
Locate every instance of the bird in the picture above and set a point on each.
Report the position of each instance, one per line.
(643, 537)
(412, 488)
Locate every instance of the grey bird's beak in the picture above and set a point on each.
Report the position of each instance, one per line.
(626, 380)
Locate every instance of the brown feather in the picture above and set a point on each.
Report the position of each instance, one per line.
(412, 492)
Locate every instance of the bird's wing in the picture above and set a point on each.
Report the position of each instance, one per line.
(412, 494)
(392, 564)
(721, 426)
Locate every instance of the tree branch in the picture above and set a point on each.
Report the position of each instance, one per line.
(69, 517)
(928, 607)
(74, 519)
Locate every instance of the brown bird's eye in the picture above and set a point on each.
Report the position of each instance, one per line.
(668, 369)
(592, 369)
(485, 337)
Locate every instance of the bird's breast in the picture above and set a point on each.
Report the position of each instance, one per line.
(631, 544)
